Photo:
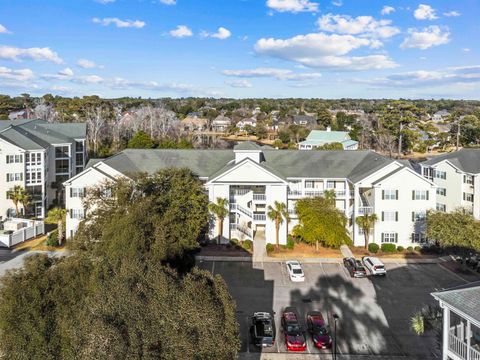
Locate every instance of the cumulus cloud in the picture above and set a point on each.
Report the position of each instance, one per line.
(239, 83)
(35, 53)
(119, 23)
(3, 30)
(293, 6)
(17, 75)
(451, 14)
(181, 31)
(168, 2)
(427, 37)
(88, 64)
(425, 12)
(360, 25)
(337, 3)
(66, 72)
(324, 51)
(104, 2)
(279, 74)
(222, 34)
(387, 10)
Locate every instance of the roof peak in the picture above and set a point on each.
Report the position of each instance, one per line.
(247, 145)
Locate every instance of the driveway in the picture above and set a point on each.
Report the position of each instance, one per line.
(374, 312)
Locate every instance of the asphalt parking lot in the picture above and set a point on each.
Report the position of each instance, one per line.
(374, 312)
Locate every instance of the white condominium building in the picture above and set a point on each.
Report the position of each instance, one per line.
(39, 157)
(457, 176)
(253, 177)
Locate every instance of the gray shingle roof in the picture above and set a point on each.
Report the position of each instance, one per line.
(465, 300)
(354, 165)
(467, 160)
(247, 145)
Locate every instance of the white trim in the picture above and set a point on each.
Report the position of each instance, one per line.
(69, 181)
(395, 172)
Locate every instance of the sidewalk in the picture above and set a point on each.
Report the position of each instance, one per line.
(17, 262)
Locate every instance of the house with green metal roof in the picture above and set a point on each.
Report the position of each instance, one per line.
(252, 177)
(39, 156)
(318, 138)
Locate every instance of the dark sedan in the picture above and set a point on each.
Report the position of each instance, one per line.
(354, 267)
(318, 330)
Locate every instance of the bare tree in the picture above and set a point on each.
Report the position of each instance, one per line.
(45, 112)
(96, 118)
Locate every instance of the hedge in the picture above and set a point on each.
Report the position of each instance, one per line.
(247, 244)
(270, 247)
(373, 248)
(389, 248)
(400, 248)
(52, 239)
(409, 249)
(290, 242)
(418, 248)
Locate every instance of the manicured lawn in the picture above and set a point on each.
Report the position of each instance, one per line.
(37, 244)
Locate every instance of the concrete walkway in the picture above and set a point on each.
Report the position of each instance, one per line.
(259, 252)
(17, 262)
(346, 252)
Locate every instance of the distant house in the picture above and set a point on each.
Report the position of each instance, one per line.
(221, 123)
(194, 123)
(318, 138)
(247, 121)
(304, 120)
(441, 115)
(21, 114)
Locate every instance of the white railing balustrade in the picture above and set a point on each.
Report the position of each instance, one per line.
(259, 197)
(241, 191)
(243, 229)
(457, 346)
(474, 354)
(259, 217)
(294, 192)
(362, 210)
(314, 192)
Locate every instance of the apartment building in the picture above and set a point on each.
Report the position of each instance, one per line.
(39, 157)
(456, 175)
(253, 177)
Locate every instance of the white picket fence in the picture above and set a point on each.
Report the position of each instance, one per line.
(32, 229)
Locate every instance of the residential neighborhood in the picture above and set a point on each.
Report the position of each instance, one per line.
(252, 180)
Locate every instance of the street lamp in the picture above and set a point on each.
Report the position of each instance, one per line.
(335, 318)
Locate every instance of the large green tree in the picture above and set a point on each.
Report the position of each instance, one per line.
(141, 140)
(321, 222)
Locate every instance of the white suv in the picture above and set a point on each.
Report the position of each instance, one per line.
(295, 271)
(374, 265)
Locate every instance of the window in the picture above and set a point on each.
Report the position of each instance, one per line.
(14, 177)
(309, 184)
(61, 152)
(77, 214)
(79, 159)
(468, 179)
(389, 237)
(389, 215)
(62, 166)
(468, 197)
(389, 194)
(360, 231)
(439, 174)
(77, 192)
(14, 159)
(79, 146)
(420, 195)
(33, 158)
(330, 184)
(419, 238)
(442, 191)
(441, 207)
(419, 216)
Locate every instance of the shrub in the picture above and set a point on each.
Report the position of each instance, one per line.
(270, 247)
(290, 242)
(233, 241)
(389, 248)
(410, 249)
(418, 248)
(283, 247)
(247, 244)
(373, 248)
(52, 239)
(400, 248)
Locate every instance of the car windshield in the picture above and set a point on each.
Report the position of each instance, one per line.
(320, 330)
(359, 264)
(297, 271)
(293, 330)
(379, 267)
(264, 329)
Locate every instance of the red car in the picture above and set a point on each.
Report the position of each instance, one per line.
(318, 330)
(294, 336)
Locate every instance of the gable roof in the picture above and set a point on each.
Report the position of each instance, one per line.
(330, 136)
(466, 300)
(247, 145)
(467, 160)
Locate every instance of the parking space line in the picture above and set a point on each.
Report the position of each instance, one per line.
(453, 273)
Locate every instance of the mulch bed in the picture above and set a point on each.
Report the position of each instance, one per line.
(222, 250)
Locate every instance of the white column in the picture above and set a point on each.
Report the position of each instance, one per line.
(356, 201)
(469, 335)
(446, 331)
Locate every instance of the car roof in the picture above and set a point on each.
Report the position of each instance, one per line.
(293, 262)
(374, 260)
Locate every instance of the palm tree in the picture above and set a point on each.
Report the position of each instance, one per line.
(220, 210)
(278, 213)
(57, 216)
(366, 222)
(25, 200)
(428, 318)
(16, 195)
(330, 196)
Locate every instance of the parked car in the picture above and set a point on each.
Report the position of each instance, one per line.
(294, 335)
(354, 267)
(295, 271)
(262, 330)
(318, 329)
(374, 265)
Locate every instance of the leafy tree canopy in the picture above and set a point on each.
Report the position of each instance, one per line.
(141, 140)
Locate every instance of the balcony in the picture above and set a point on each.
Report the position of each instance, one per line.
(362, 210)
(259, 197)
(294, 192)
(461, 348)
(243, 229)
(241, 209)
(313, 193)
(259, 217)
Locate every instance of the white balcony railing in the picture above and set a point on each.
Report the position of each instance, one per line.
(243, 229)
(259, 197)
(457, 346)
(241, 209)
(474, 354)
(294, 192)
(362, 210)
(241, 191)
(314, 192)
(259, 217)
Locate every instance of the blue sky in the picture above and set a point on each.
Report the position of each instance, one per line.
(241, 48)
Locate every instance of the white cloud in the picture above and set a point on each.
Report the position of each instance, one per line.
(324, 51)
(181, 31)
(239, 83)
(35, 53)
(426, 38)
(88, 79)
(66, 72)
(17, 75)
(88, 64)
(361, 25)
(387, 10)
(168, 2)
(425, 12)
(222, 34)
(293, 6)
(466, 49)
(279, 74)
(104, 2)
(120, 23)
(451, 13)
(337, 3)
(3, 30)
